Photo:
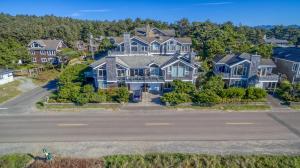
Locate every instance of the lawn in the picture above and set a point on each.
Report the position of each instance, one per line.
(160, 160)
(45, 76)
(9, 90)
(74, 107)
(14, 161)
(229, 107)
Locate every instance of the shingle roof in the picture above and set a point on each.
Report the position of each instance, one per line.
(291, 53)
(161, 39)
(5, 71)
(275, 41)
(139, 61)
(232, 59)
(142, 31)
(47, 44)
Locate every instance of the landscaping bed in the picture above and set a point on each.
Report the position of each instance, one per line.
(157, 160)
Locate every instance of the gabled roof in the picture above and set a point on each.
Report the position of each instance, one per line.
(142, 61)
(162, 39)
(47, 44)
(232, 59)
(276, 41)
(290, 53)
(167, 32)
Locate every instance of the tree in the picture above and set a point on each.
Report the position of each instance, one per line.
(215, 84)
(105, 45)
(208, 97)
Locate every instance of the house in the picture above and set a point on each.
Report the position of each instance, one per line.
(151, 41)
(45, 51)
(6, 76)
(81, 45)
(142, 72)
(276, 42)
(288, 62)
(243, 70)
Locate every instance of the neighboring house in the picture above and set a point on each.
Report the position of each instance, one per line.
(81, 46)
(6, 76)
(151, 41)
(276, 42)
(45, 51)
(143, 73)
(288, 62)
(243, 70)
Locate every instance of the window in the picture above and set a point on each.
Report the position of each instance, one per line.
(187, 70)
(1, 76)
(121, 72)
(240, 70)
(144, 48)
(134, 46)
(155, 47)
(172, 46)
(35, 45)
(44, 59)
(33, 59)
(169, 70)
(101, 72)
(295, 67)
(154, 71)
(32, 52)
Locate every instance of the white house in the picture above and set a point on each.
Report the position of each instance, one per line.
(6, 76)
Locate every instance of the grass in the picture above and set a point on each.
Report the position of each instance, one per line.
(229, 107)
(9, 90)
(207, 161)
(14, 161)
(41, 105)
(244, 107)
(45, 76)
(295, 107)
(159, 160)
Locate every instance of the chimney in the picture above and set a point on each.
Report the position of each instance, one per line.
(192, 57)
(127, 43)
(147, 30)
(111, 66)
(255, 61)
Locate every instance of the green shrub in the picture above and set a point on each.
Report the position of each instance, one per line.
(183, 87)
(81, 99)
(253, 93)
(14, 161)
(69, 91)
(233, 93)
(174, 98)
(97, 98)
(206, 97)
(215, 84)
(122, 95)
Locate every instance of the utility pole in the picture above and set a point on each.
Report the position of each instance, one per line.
(92, 46)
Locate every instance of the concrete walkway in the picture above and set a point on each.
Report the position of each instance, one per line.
(276, 105)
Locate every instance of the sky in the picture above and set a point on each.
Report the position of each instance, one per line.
(246, 12)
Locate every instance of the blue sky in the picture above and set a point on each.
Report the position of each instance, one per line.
(247, 12)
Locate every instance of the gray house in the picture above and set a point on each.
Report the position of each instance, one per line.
(243, 70)
(143, 73)
(288, 62)
(151, 41)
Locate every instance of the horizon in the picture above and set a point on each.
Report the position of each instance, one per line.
(216, 11)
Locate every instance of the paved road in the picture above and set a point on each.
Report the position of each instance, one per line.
(189, 126)
(25, 103)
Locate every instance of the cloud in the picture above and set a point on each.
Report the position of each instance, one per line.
(75, 14)
(94, 10)
(214, 3)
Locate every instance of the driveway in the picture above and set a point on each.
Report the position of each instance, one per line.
(25, 103)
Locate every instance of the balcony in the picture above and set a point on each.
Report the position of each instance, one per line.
(144, 79)
(222, 74)
(131, 53)
(269, 77)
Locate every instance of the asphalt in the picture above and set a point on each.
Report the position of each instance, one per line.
(98, 132)
(25, 103)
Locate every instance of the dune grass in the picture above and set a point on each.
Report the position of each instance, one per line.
(9, 90)
(14, 161)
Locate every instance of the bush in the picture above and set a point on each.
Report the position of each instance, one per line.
(69, 91)
(122, 95)
(253, 93)
(206, 97)
(175, 98)
(233, 93)
(183, 87)
(97, 98)
(215, 84)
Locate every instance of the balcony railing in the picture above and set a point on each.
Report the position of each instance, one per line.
(223, 74)
(145, 79)
(269, 77)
